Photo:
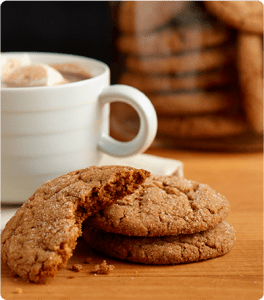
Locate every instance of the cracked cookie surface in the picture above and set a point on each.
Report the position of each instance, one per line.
(176, 249)
(164, 205)
(40, 238)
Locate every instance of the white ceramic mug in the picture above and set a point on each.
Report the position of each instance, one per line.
(49, 131)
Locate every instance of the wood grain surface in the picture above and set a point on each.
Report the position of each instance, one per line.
(236, 275)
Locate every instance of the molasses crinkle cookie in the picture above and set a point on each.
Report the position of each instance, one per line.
(40, 238)
(163, 206)
(182, 248)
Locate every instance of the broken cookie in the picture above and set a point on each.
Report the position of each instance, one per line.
(39, 239)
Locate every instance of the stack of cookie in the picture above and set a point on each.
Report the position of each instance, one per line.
(186, 63)
(168, 220)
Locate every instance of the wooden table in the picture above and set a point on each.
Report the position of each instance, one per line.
(236, 275)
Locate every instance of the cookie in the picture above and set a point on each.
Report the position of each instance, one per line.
(39, 239)
(202, 126)
(242, 15)
(169, 40)
(182, 248)
(164, 205)
(182, 103)
(148, 83)
(246, 142)
(142, 16)
(250, 67)
(210, 125)
(193, 101)
(202, 60)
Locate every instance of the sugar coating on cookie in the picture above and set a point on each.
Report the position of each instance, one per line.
(175, 249)
(164, 205)
(39, 240)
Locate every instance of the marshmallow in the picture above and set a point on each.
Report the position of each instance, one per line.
(34, 75)
(9, 64)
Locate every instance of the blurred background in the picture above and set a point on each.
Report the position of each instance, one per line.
(183, 57)
(73, 27)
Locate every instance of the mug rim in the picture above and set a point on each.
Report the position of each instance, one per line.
(34, 88)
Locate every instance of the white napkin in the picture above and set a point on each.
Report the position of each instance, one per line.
(154, 164)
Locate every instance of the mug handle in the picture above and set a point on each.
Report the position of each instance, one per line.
(147, 115)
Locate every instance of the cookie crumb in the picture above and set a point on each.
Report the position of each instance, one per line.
(77, 268)
(103, 268)
(72, 276)
(18, 291)
(88, 260)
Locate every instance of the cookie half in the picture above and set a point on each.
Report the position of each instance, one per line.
(164, 205)
(39, 239)
(242, 15)
(164, 250)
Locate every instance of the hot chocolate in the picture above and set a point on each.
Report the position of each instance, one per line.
(72, 72)
(25, 74)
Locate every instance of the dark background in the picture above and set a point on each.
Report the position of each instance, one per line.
(73, 27)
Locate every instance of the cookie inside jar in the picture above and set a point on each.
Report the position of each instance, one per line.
(187, 62)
